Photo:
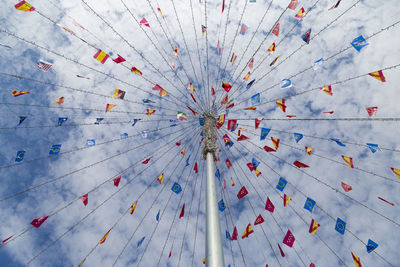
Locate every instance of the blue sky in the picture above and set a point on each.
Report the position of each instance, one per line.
(80, 169)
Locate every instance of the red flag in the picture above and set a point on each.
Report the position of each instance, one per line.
(232, 124)
(170, 251)
(224, 184)
(289, 239)
(144, 22)
(242, 137)
(269, 206)
(290, 116)
(85, 199)
(257, 122)
(251, 64)
(194, 99)
(146, 161)
(5, 240)
(235, 233)
(116, 181)
(346, 187)
(178, 143)
(37, 222)
(293, 4)
(259, 220)
(212, 91)
(119, 59)
(328, 112)
(223, 6)
(194, 112)
(275, 31)
(182, 211)
(242, 193)
(227, 87)
(269, 149)
(280, 249)
(299, 164)
(372, 111)
(224, 100)
(390, 203)
(196, 169)
(228, 163)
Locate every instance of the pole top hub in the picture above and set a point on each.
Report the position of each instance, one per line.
(210, 138)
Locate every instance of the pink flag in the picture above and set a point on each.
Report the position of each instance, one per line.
(275, 31)
(257, 122)
(346, 187)
(289, 239)
(251, 64)
(119, 59)
(372, 111)
(293, 4)
(144, 22)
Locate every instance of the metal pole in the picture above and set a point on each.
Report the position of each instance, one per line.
(214, 252)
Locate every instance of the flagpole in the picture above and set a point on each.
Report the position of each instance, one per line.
(214, 252)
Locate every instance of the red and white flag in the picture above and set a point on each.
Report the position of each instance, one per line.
(43, 65)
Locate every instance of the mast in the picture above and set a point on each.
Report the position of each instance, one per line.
(214, 252)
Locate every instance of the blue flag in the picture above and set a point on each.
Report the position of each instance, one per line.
(218, 174)
(124, 135)
(62, 120)
(264, 133)
(340, 226)
(229, 144)
(201, 133)
(221, 205)
(98, 120)
(201, 121)
(250, 84)
(176, 188)
(20, 156)
(373, 147)
(135, 121)
(338, 142)
(21, 119)
(306, 36)
(298, 137)
(359, 43)
(255, 99)
(281, 184)
(55, 150)
(309, 205)
(90, 142)
(286, 83)
(140, 242)
(146, 101)
(187, 162)
(255, 163)
(371, 246)
(228, 235)
(158, 216)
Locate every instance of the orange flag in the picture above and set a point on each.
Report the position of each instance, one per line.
(59, 101)
(18, 93)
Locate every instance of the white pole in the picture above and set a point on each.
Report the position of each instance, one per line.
(214, 252)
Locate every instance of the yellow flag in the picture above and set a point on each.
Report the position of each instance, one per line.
(133, 207)
(24, 6)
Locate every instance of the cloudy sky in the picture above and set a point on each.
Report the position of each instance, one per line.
(44, 185)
